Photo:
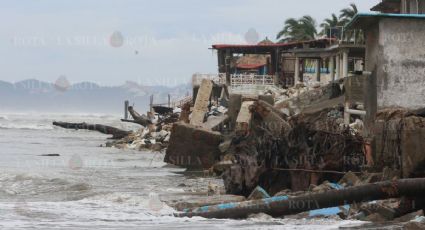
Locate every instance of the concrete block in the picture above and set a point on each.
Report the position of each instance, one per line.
(244, 117)
(193, 147)
(201, 103)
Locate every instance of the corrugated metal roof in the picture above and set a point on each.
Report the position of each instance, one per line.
(387, 5)
(362, 20)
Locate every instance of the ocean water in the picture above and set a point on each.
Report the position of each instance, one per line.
(89, 186)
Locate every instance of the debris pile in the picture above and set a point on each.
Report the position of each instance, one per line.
(295, 143)
(155, 131)
(292, 153)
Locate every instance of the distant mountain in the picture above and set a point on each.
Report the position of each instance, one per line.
(85, 97)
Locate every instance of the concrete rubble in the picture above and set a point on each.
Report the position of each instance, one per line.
(289, 143)
(290, 146)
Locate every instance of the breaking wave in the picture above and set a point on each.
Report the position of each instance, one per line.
(24, 184)
(26, 126)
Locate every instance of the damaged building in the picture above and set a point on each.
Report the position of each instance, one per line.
(294, 115)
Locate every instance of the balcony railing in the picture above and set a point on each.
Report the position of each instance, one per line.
(250, 83)
(237, 80)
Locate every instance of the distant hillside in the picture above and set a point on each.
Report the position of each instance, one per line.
(86, 97)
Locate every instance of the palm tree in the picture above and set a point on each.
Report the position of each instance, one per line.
(329, 23)
(347, 14)
(298, 29)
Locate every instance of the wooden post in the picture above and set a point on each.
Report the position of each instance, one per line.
(151, 104)
(169, 101)
(126, 110)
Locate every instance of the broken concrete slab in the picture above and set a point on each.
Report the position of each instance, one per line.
(273, 119)
(409, 216)
(193, 147)
(201, 103)
(414, 225)
(243, 120)
(349, 179)
(267, 98)
(400, 142)
(299, 101)
(215, 122)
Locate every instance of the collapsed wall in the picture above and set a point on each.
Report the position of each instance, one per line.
(307, 150)
(399, 139)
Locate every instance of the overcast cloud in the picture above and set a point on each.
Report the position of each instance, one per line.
(161, 42)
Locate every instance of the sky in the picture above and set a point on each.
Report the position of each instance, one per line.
(151, 42)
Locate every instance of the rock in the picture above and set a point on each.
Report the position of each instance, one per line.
(225, 145)
(156, 147)
(258, 193)
(325, 186)
(215, 122)
(260, 216)
(413, 225)
(213, 189)
(409, 216)
(419, 219)
(371, 178)
(339, 121)
(109, 144)
(385, 209)
(390, 174)
(357, 126)
(283, 192)
(299, 85)
(316, 85)
(375, 217)
(167, 139)
(350, 179)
